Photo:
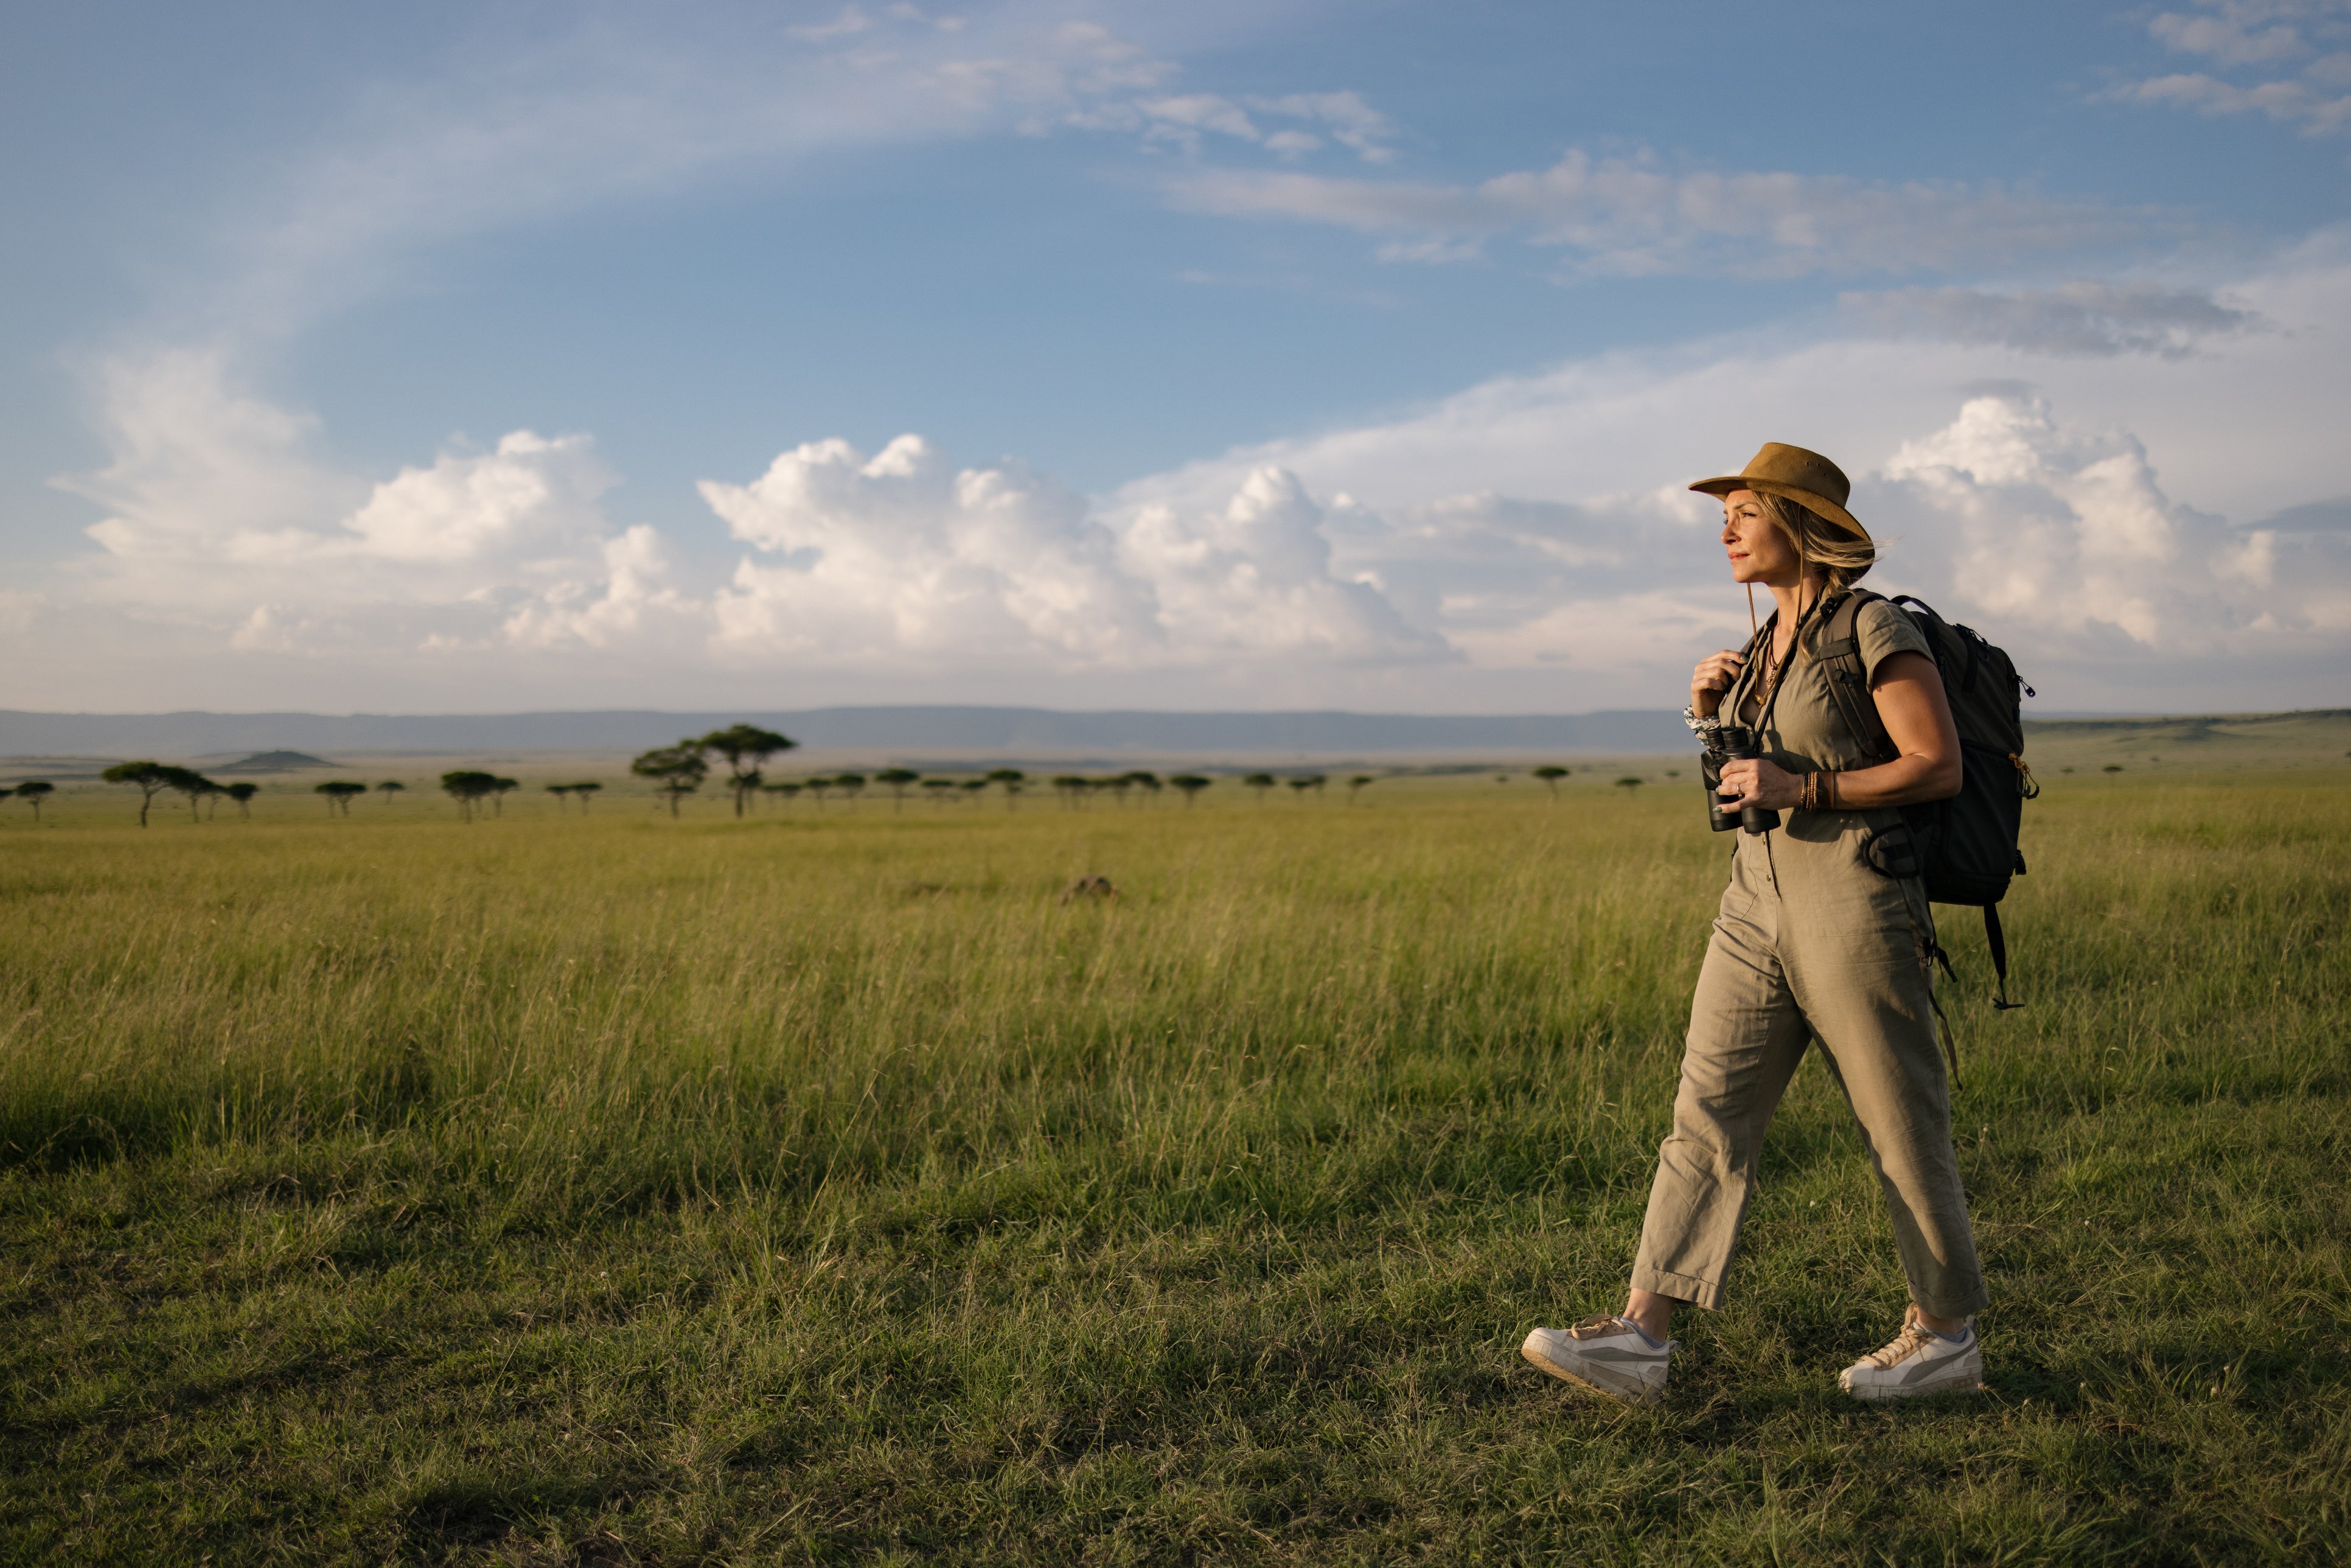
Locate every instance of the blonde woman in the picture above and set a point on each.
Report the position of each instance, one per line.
(1812, 941)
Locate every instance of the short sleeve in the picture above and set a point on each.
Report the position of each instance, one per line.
(1883, 629)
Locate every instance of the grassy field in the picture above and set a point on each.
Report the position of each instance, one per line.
(822, 1188)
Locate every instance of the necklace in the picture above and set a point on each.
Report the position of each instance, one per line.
(1776, 664)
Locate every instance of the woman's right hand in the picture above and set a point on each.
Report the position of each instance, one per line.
(1714, 675)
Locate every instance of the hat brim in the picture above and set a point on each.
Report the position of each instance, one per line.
(1819, 506)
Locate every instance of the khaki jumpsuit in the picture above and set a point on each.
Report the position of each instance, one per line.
(1810, 942)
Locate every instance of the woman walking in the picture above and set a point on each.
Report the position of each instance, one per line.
(1813, 941)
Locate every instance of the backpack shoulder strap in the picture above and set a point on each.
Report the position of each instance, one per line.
(1997, 940)
(1837, 645)
(1967, 638)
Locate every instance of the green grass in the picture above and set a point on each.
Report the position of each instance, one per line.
(821, 1188)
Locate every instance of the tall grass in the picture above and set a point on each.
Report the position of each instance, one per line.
(826, 1188)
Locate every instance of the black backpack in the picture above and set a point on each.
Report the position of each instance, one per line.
(1966, 844)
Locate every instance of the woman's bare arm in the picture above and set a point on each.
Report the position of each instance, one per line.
(1917, 719)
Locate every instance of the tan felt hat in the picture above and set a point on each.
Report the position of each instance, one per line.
(1804, 477)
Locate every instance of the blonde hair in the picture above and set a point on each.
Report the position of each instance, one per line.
(1819, 542)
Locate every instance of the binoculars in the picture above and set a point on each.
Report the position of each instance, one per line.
(1732, 743)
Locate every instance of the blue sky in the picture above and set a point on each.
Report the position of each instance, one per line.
(1261, 355)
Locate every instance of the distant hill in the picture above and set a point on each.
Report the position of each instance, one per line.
(2218, 740)
(272, 762)
(933, 730)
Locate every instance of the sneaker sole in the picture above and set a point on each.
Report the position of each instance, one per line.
(1635, 1396)
(1964, 1383)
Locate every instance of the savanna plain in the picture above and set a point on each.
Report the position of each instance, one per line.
(822, 1186)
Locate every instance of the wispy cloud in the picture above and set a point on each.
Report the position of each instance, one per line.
(2251, 39)
(2236, 32)
(514, 129)
(1290, 125)
(1637, 216)
(2083, 318)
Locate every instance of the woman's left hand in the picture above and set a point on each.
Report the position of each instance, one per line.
(1755, 782)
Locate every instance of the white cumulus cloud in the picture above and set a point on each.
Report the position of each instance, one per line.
(2068, 532)
(529, 496)
(1255, 575)
(221, 520)
(901, 561)
(2142, 530)
(901, 556)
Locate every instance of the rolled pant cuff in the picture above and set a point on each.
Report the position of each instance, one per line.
(1706, 1293)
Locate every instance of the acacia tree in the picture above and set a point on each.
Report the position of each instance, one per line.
(31, 791)
(191, 784)
(897, 779)
(498, 788)
(937, 789)
(1260, 782)
(243, 792)
(390, 787)
(1355, 786)
(1191, 784)
(1306, 781)
(849, 784)
(1550, 776)
(746, 746)
(1070, 788)
(150, 777)
(584, 789)
(1012, 779)
(786, 789)
(467, 786)
(677, 771)
(339, 793)
(972, 787)
(562, 793)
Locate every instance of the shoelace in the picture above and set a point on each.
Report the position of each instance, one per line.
(1913, 1338)
(1598, 1327)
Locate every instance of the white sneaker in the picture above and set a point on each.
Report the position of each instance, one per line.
(1607, 1354)
(1919, 1360)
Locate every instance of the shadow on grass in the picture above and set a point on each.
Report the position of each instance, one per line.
(103, 1124)
(475, 1510)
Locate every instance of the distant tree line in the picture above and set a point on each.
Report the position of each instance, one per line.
(152, 779)
(680, 770)
(470, 789)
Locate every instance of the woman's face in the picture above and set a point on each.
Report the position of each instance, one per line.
(1759, 550)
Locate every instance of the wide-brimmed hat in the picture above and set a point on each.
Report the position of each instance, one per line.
(1807, 478)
